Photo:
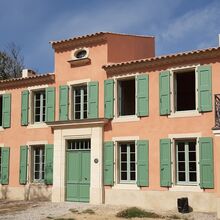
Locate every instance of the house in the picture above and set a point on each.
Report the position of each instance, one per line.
(114, 124)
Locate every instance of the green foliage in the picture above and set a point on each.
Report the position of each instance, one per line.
(135, 212)
(11, 62)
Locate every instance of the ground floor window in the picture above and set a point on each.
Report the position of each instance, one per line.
(127, 164)
(38, 160)
(82, 144)
(186, 162)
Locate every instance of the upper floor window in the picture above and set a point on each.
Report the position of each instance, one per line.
(185, 90)
(126, 97)
(39, 106)
(80, 109)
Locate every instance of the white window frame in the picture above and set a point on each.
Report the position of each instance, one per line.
(125, 118)
(177, 187)
(186, 152)
(32, 160)
(72, 84)
(187, 113)
(81, 101)
(117, 184)
(31, 120)
(41, 106)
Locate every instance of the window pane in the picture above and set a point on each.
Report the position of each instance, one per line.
(77, 91)
(192, 156)
(192, 177)
(181, 166)
(132, 157)
(181, 156)
(123, 157)
(132, 175)
(37, 167)
(123, 175)
(37, 103)
(36, 176)
(77, 115)
(192, 146)
(85, 115)
(192, 166)
(181, 146)
(132, 166)
(123, 166)
(123, 148)
(132, 148)
(182, 176)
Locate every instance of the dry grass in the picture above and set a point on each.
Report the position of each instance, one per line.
(9, 207)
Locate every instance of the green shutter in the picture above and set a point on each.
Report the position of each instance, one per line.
(23, 164)
(164, 86)
(5, 165)
(165, 162)
(206, 162)
(93, 99)
(6, 110)
(50, 104)
(109, 98)
(109, 163)
(142, 163)
(49, 163)
(64, 102)
(24, 107)
(205, 88)
(142, 95)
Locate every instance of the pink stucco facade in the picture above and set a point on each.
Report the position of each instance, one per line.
(132, 56)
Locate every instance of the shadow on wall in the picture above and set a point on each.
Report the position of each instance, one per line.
(4, 191)
(37, 192)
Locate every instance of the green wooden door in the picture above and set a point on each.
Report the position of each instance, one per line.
(78, 175)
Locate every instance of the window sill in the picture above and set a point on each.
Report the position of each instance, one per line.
(181, 114)
(79, 61)
(131, 186)
(186, 189)
(1, 129)
(128, 118)
(37, 183)
(37, 125)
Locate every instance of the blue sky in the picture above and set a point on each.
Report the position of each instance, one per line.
(178, 25)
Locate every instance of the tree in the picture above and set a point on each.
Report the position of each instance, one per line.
(11, 62)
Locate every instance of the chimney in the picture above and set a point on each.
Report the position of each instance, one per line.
(27, 73)
(219, 40)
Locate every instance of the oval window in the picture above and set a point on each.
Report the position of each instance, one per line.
(80, 54)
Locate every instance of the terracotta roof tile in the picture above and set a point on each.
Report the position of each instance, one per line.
(25, 78)
(193, 52)
(93, 35)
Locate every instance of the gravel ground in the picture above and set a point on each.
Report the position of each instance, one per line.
(21, 210)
